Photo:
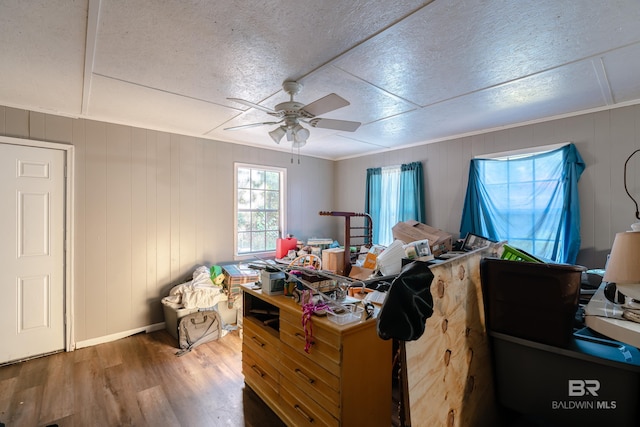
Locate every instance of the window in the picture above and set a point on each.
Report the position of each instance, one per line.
(530, 200)
(259, 218)
(393, 194)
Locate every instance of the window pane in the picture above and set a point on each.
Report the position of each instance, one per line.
(547, 223)
(525, 245)
(273, 180)
(495, 172)
(244, 199)
(496, 195)
(257, 199)
(258, 221)
(271, 240)
(549, 167)
(272, 200)
(258, 242)
(273, 221)
(244, 178)
(542, 247)
(244, 242)
(520, 196)
(520, 171)
(244, 221)
(545, 193)
(257, 178)
(521, 224)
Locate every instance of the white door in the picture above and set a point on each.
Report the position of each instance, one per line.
(32, 186)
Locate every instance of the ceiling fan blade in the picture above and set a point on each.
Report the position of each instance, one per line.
(324, 105)
(343, 125)
(251, 104)
(251, 125)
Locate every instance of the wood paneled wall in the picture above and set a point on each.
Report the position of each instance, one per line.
(604, 139)
(151, 206)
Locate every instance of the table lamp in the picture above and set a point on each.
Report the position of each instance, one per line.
(623, 267)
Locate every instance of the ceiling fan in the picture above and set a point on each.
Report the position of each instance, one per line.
(291, 113)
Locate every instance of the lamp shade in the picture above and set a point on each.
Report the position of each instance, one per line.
(300, 136)
(277, 134)
(624, 261)
(623, 267)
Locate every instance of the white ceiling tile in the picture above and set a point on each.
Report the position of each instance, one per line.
(121, 102)
(548, 94)
(623, 68)
(368, 103)
(338, 147)
(452, 48)
(214, 50)
(42, 54)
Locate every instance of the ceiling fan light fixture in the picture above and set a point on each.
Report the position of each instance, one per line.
(300, 135)
(299, 144)
(277, 134)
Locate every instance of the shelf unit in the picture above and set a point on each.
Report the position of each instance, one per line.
(348, 229)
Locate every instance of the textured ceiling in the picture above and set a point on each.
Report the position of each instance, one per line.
(413, 71)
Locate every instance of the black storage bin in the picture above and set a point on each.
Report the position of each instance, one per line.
(534, 301)
(593, 381)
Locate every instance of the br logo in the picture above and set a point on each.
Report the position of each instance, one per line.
(584, 387)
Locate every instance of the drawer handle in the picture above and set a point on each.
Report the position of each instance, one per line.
(302, 338)
(257, 341)
(304, 414)
(304, 376)
(257, 370)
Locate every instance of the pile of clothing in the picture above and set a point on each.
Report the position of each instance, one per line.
(204, 292)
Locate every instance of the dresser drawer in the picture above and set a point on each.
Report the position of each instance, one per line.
(321, 332)
(311, 379)
(320, 352)
(261, 376)
(302, 409)
(262, 342)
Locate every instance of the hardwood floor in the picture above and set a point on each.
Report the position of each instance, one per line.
(135, 381)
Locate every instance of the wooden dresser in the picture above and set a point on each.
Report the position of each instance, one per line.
(344, 380)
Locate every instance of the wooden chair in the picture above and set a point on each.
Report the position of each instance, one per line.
(307, 261)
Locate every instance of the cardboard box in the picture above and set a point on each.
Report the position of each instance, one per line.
(410, 231)
(360, 273)
(333, 260)
(370, 260)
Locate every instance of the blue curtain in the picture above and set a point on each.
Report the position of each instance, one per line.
(392, 195)
(531, 201)
(411, 192)
(373, 198)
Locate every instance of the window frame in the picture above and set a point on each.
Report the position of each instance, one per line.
(282, 208)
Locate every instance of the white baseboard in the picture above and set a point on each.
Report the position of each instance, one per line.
(119, 335)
